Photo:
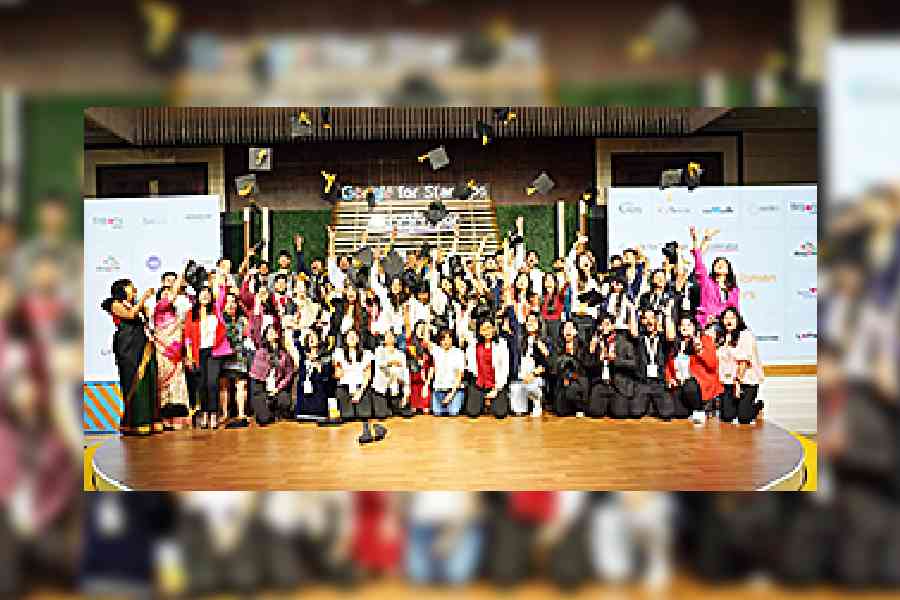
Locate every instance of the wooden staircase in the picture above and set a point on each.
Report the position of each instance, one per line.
(477, 221)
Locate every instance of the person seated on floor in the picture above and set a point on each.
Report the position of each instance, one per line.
(534, 365)
(390, 385)
(652, 348)
(569, 362)
(314, 382)
(271, 376)
(740, 369)
(487, 361)
(692, 371)
(449, 364)
(353, 374)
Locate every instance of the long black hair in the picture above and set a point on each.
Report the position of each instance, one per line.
(730, 279)
(722, 334)
(117, 291)
(195, 309)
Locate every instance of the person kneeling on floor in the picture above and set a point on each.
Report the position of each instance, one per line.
(271, 376)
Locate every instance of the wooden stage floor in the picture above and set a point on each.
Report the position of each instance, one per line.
(428, 453)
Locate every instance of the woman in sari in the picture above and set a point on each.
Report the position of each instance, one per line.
(135, 358)
(169, 337)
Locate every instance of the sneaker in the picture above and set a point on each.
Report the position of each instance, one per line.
(698, 417)
(579, 414)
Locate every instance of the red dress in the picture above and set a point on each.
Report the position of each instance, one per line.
(417, 380)
(377, 543)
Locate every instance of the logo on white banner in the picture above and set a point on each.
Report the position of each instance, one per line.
(810, 208)
(725, 209)
(629, 208)
(108, 222)
(806, 249)
(154, 221)
(724, 247)
(808, 293)
(198, 216)
(153, 263)
(806, 336)
(768, 338)
(763, 208)
(672, 209)
(109, 264)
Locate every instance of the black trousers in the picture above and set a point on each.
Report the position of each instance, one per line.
(208, 380)
(571, 398)
(686, 398)
(475, 402)
(349, 410)
(585, 327)
(386, 405)
(742, 407)
(603, 396)
(645, 394)
(266, 407)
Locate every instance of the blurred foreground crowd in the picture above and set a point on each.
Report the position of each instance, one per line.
(239, 542)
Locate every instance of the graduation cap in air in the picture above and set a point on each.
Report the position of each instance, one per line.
(483, 132)
(670, 251)
(436, 212)
(246, 185)
(260, 159)
(325, 117)
(464, 191)
(437, 157)
(504, 114)
(393, 264)
(364, 257)
(301, 125)
(694, 171)
(541, 185)
(330, 187)
(591, 298)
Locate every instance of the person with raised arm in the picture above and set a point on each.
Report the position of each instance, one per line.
(718, 287)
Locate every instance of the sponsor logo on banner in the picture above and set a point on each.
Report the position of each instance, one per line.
(748, 295)
(153, 263)
(630, 208)
(723, 247)
(154, 221)
(745, 278)
(806, 249)
(809, 208)
(808, 293)
(198, 216)
(104, 352)
(764, 208)
(109, 222)
(109, 264)
(806, 336)
(768, 338)
(724, 209)
(673, 209)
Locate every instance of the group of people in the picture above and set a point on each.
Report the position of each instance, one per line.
(438, 332)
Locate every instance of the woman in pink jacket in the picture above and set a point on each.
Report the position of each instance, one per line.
(718, 288)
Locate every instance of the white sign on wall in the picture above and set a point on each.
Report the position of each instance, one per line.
(768, 234)
(862, 92)
(138, 239)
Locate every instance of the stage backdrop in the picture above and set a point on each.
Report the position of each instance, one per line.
(768, 234)
(139, 239)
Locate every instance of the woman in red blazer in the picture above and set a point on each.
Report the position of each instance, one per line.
(204, 354)
(692, 370)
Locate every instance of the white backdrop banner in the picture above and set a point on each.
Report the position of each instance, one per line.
(138, 239)
(768, 234)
